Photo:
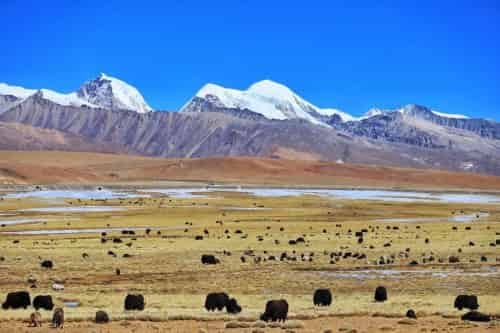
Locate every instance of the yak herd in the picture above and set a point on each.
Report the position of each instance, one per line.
(275, 310)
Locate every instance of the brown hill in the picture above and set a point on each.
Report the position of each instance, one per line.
(49, 167)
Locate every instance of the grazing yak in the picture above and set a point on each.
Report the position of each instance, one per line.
(47, 264)
(276, 310)
(215, 301)
(101, 317)
(43, 302)
(467, 302)
(476, 316)
(134, 302)
(17, 300)
(208, 259)
(380, 294)
(36, 319)
(232, 306)
(58, 318)
(322, 297)
(411, 314)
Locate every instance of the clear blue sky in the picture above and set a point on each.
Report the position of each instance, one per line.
(351, 55)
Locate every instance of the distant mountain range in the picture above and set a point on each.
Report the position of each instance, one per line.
(267, 119)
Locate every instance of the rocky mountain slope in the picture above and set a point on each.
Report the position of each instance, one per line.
(14, 136)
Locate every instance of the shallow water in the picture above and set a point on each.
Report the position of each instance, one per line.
(74, 209)
(181, 193)
(375, 274)
(456, 218)
(72, 304)
(22, 221)
(384, 195)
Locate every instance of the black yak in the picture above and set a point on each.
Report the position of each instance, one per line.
(44, 302)
(215, 301)
(134, 302)
(208, 259)
(17, 300)
(276, 310)
(467, 302)
(322, 297)
(380, 294)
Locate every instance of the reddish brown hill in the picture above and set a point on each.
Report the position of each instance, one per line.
(69, 167)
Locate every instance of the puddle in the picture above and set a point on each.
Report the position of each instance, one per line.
(469, 218)
(74, 209)
(376, 274)
(72, 304)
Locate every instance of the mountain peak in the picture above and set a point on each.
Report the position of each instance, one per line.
(271, 88)
(103, 76)
(111, 93)
(268, 98)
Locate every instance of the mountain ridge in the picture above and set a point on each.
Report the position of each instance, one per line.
(219, 125)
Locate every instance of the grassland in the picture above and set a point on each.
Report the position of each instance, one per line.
(166, 267)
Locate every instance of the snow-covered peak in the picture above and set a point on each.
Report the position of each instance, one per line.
(268, 98)
(16, 91)
(70, 99)
(271, 89)
(105, 92)
(111, 93)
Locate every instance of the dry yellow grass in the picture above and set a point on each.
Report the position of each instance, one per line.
(166, 268)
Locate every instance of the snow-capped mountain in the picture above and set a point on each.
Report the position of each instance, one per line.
(13, 95)
(112, 93)
(410, 109)
(276, 101)
(18, 92)
(104, 92)
(270, 99)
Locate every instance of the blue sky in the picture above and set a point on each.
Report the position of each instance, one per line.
(351, 55)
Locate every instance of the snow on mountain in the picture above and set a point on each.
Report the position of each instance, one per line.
(70, 99)
(409, 109)
(450, 115)
(268, 98)
(343, 115)
(112, 93)
(16, 91)
(61, 99)
(375, 112)
(105, 92)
